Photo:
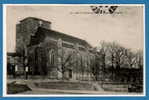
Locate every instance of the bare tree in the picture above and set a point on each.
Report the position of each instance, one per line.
(130, 58)
(67, 61)
(134, 59)
(119, 56)
(95, 66)
(111, 50)
(114, 60)
(139, 59)
(103, 48)
(100, 60)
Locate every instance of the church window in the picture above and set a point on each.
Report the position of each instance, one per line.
(51, 57)
(40, 23)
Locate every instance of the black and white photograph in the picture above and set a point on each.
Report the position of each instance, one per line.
(74, 50)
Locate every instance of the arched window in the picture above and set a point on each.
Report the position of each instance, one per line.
(40, 23)
(51, 57)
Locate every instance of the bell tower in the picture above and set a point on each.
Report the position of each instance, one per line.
(27, 28)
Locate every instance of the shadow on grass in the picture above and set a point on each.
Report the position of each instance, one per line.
(17, 88)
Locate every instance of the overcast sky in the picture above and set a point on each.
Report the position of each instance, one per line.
(126, 28)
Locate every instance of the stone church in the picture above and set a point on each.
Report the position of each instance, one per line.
(51, 53)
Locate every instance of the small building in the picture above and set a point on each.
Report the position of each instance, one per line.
(13, 61)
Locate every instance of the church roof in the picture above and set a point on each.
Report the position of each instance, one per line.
(34, 18)
(65, 37)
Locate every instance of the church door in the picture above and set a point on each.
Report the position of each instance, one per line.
(70, 73)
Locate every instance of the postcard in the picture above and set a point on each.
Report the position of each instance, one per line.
(66, 50)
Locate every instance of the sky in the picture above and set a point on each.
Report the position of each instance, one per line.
(125, 27)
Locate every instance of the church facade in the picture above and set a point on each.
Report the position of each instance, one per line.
(51, 53)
